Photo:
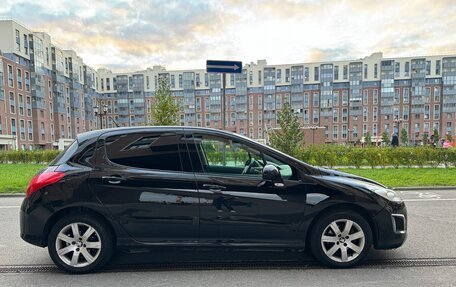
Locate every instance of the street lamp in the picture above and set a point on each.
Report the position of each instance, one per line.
(313, 128)
(100, 113)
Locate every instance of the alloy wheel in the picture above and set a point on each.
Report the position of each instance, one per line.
(343, 240)
(78, 244)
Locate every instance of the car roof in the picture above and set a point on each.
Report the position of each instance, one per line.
(96, 133)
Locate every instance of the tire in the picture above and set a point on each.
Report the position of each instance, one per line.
(348, 247)
(85, 253)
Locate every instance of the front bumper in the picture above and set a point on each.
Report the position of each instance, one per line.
(391, 225)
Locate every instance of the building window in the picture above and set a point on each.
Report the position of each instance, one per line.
(250, 78)
(12, 101)
(173, 82)
(306, 100)
(336, 98)
(306, 116)
(407, 69)
(316, 99)
(287, 75)
(18, 41)
(335, 132)
(180, 81)
(10, 76)
(365, 114)
(315, 116)
(316, 73)
(344, 115)
(397, 69)
(13, 127)
(436, 112)
(437, 67)
(436, 94)
(335, 115)
(21, 104)
(375, 97)
(259, 80)
(279, 75)
(306, 74)
(19, 79)
(206, 80)
(344, 98)
(336, 72)
(405, 95)
(375, 71)
(232, 78)
(374, 114)
(428, 68)
(365, 97)
(345, 72)
(365, 71)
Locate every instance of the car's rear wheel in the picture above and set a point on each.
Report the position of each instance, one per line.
(80, 243)
(341, 239)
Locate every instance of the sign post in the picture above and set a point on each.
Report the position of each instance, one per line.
(223, 67)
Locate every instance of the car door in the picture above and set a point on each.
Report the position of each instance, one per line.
(140, 180)
(235, 206)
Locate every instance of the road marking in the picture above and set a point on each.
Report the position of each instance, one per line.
(430, 199)
(10, 206)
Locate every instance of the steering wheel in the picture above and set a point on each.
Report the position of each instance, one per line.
(248, 165)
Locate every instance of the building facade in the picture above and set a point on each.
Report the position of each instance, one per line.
(48, 95)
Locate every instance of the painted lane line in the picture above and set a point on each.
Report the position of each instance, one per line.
(10, 206)
(430, 199)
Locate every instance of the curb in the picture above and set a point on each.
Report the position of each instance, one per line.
(21, 194)
(425, 188)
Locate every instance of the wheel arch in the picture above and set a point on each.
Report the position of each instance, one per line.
(343, 207)
(76, 210)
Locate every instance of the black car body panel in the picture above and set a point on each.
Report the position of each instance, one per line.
(190, 207)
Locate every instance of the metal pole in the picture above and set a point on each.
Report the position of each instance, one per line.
(101, 121)
(223, 102)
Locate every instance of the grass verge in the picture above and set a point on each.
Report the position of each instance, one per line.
(16, 177)
(402, 177)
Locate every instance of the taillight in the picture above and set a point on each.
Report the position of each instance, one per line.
(43, 179)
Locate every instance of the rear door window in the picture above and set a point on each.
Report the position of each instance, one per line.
(156, 151)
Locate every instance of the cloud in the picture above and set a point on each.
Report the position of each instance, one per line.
(134, 34)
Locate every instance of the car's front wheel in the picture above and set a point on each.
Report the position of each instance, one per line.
(80, 243)
(341, 239)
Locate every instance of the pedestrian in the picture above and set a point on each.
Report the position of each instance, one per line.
(395, 140)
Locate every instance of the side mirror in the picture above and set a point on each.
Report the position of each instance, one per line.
(271, 173)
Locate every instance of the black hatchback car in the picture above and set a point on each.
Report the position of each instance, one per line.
(183, 186)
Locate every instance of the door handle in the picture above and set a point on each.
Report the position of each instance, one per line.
(214, 187)
(114, 179)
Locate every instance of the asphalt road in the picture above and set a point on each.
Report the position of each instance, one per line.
(428, 258)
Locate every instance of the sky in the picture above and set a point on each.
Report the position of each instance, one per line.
(131, 35)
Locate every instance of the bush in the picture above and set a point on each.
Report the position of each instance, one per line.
(36, 156)
(333, 155)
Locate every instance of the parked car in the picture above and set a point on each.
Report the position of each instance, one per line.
(183, 186)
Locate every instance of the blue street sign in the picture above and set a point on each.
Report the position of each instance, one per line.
(213, 66)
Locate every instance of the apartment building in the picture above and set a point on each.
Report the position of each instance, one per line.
(45, 96)
(348, 98)
(48, 95)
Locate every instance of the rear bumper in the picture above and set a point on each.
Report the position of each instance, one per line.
(391, 226)
(32, 224)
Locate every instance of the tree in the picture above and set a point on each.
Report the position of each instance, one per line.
(165, 110)
(404, 136)
(425, 139)
(385, 138)
(368, 139)
(436, 135)
(290, 136)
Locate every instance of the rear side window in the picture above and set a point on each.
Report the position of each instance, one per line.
(66, 154)
(145, 150)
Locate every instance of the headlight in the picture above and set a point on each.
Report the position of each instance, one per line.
(389, 194)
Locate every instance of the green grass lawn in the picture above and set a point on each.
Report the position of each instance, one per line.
(401, 177)
(16, 177)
